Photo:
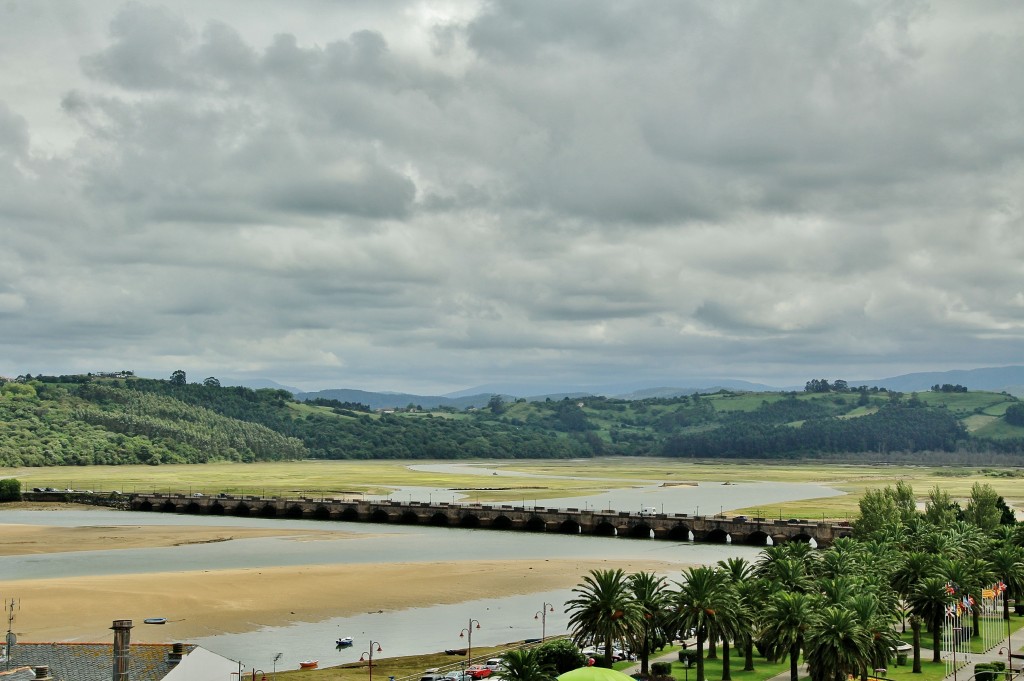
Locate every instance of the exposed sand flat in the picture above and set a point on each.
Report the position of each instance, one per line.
(208, 602)
(17, 540)
(202, 603)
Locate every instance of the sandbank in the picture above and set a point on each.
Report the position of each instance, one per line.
(205, 603)
(17, 540)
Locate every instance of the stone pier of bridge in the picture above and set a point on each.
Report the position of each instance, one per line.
(678, 527)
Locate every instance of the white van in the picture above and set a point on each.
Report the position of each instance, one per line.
(648, 511)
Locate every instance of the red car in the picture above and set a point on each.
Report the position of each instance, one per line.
(478, 671)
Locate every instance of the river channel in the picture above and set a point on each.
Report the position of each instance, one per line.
(402, 632)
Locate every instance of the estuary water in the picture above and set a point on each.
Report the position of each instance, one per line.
(413, 630)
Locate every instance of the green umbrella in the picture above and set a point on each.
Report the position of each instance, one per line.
(594, 674)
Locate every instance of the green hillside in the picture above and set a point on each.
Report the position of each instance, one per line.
(82, 420)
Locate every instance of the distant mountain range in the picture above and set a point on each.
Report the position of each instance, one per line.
(1009, 379)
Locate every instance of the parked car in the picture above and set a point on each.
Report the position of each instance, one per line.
(457, 676)
(432, 674)
(478, 671)
(494, 664)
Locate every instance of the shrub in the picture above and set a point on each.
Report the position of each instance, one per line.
(661, 668)
(690, 655)
(562, 654)
(10, 489)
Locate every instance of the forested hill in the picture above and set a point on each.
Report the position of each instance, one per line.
(83, 420)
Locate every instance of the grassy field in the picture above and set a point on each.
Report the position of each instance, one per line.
(353, 478)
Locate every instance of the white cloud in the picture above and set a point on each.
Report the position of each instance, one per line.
(397, 194)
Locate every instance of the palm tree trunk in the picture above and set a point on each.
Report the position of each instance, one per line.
(748, 655)
(645, 652)
(794, 662)
(976, 620)
(726, 668)
(712, 647)
(1006, 605)
(915, 627)
(936, 642)
(608, 651)
(700, 656)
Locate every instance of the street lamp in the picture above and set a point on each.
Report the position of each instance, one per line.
(468, 634)
(276, 658)
(686, 668)
(369, 656)
(542, 615)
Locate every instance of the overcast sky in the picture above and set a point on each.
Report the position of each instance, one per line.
(427, 196)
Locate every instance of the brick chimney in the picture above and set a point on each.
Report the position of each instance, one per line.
(122, 652)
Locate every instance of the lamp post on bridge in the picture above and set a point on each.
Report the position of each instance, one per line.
(369, 656)
(467, 633)
(542, 615)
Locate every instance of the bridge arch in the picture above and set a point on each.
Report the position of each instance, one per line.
(439, 520)
(146, 506)
(802, 537)
(350, 514)
(536, 524)
(217, 508)
(168, 507)
(502, 522)
(242, 510)
(268, 511)
(570, 526)
(605, 529)
(679, 533)
(757, 538)
(717, 536)
(640, 531)
(409, 518)
(322, 513)
(294, 511)
(193, 508)
(380, 516)
(469, 521)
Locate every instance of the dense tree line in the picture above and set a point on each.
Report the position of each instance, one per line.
(119, 418)
(840, 611)
(895, 427)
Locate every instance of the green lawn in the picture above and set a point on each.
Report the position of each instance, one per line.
(997, 628)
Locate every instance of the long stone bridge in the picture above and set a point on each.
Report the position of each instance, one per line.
(668, 526)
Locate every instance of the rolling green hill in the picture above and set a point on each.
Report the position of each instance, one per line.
(83, 420)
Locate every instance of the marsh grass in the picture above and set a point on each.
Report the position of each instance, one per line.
(350, 479)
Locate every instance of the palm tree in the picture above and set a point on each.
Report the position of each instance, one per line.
(928, 601)
(912, 568)
(751, 601)
(738, 572)
(705, 605)
(836, 645)
(1008, 565)
(786, 619)
(876, 620)
(603, 609)
(787, 573)
(524, 664)
(650, 593)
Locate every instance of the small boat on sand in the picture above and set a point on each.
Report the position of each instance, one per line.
(342, 642)
(155, 620)
(309, 664)
(455, 651)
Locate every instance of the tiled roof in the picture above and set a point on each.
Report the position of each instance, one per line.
(94, 661)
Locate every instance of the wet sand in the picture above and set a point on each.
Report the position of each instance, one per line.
(209, 602)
